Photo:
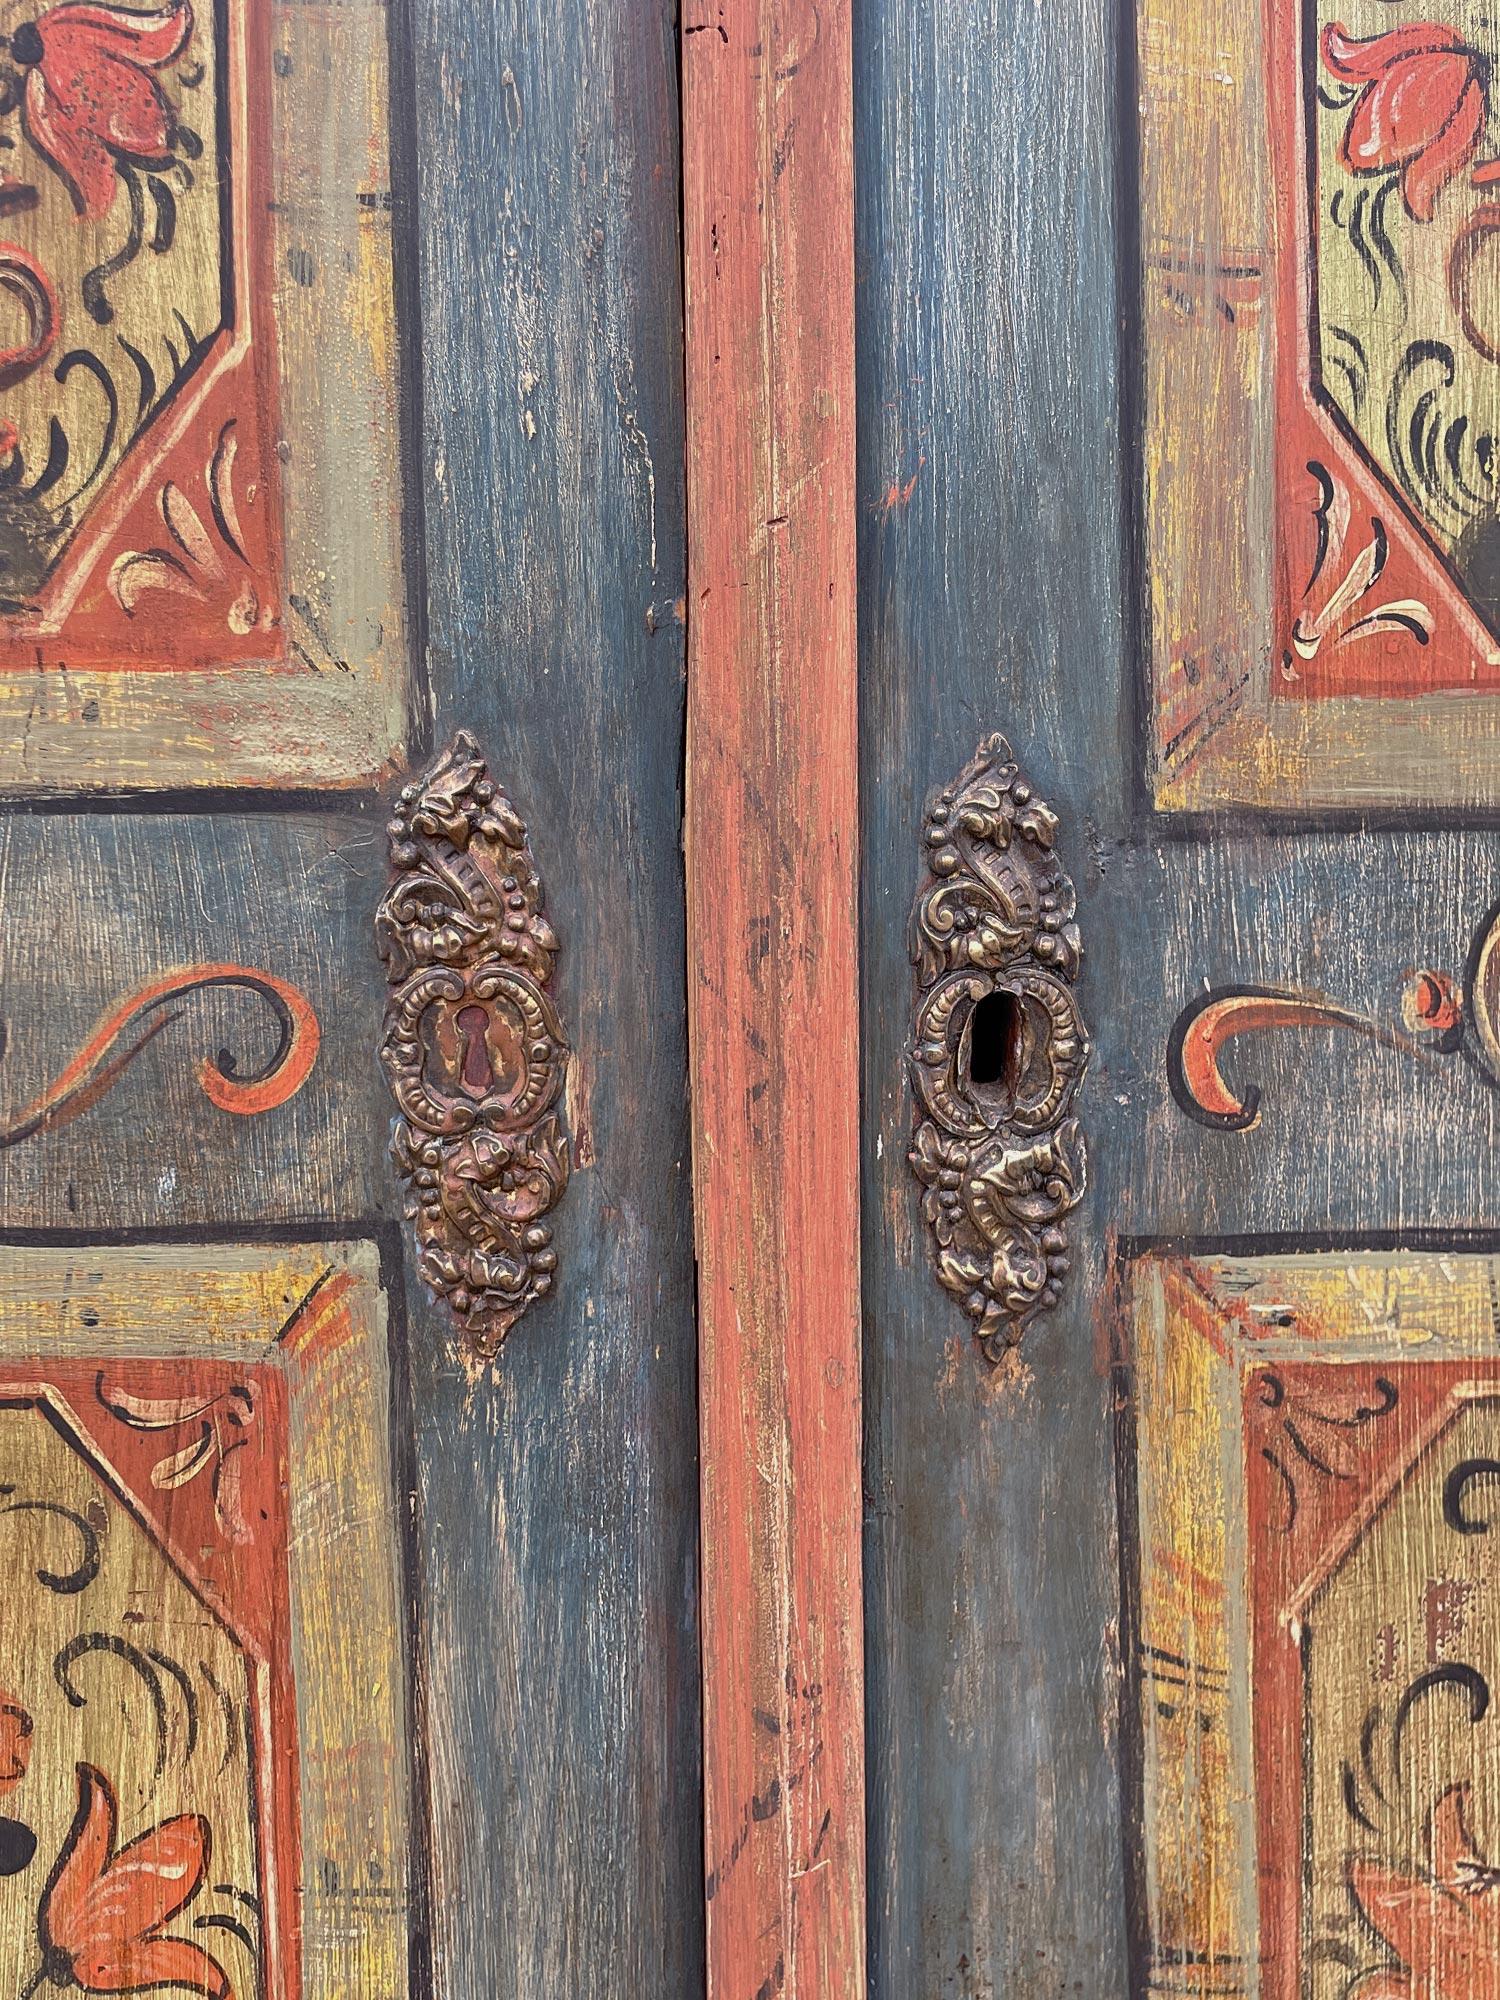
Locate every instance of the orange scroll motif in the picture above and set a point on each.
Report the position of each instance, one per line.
(138, 1019)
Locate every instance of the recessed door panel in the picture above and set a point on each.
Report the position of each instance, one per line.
(210, 1775)
(204, 366)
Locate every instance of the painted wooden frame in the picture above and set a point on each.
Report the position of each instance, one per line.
(208, 373)
(1307, 1463)
(1317, 408)
(771, 846)
(201, 1466)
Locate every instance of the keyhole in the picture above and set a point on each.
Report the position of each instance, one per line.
(474, 1065)
(995, 1030)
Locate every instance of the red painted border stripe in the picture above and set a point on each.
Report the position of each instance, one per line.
(771, 840)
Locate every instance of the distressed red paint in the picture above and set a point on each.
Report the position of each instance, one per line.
(772, 839)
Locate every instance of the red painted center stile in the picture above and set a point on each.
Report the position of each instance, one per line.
(772, 819)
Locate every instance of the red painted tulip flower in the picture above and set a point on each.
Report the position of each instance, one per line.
(106, 1909)
(1443, 1926)
(92, 102)
(1420, 108)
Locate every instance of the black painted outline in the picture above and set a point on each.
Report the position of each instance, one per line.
(1129, 1733)
(1455, 1240)
(402, 156)
(1187, 1104)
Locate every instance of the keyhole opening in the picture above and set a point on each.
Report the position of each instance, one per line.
(996, 1028)
(475, 1067)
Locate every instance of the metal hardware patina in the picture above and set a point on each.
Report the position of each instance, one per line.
(473, 1047)
(1000, 1160)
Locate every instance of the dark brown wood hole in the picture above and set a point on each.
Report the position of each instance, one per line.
(997, 1028)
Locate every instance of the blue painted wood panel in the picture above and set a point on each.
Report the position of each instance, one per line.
(990, 591)
(560, 1498)
(995, 588)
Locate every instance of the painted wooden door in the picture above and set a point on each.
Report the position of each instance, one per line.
(846, 656)
(1176, 386)
(341, 412)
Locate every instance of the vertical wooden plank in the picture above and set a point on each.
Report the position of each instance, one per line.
(559, 1495)
(991, 598)
(771, 844)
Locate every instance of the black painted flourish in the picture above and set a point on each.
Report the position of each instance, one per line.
(65, 1582)
(110, 1643)
(1457, 1484)
(1464, 1679)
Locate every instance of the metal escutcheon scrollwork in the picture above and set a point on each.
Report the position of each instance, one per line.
(473, 1048)
(998, 1050)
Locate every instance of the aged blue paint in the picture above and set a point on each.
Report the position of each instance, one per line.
(994, 594)
(990, 591)
(560, 1498)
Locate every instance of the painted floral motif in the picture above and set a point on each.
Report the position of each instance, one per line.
(15, 1742)
(1420, 107)
(1443, 1924)
(131, 1826)
(106, 1910)
(17, 1840)
(92, 102)
(1346, 617)
(1318, 1431)
(190, 562)
(125, 139)
(218, 1430)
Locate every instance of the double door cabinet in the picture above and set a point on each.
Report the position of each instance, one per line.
(749, 1000)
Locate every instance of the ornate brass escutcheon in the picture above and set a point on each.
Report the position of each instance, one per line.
(999, 1048)
(473, 1047)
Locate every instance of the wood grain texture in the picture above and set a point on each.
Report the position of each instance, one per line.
(990, 598)
(771, 845)
(993, 595)
(100, 904)
(559, 1494)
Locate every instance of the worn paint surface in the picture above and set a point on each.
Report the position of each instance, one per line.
(185, 597)
(1319, 618)
(990, 598)
(551, 1508)
(997, 595)
(555, 1551)
(771, 843)
(560, 1640)
(210, 1764)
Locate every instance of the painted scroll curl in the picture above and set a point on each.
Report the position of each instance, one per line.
(1205, 1030)
(1443, 1014)
(138, 1019)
